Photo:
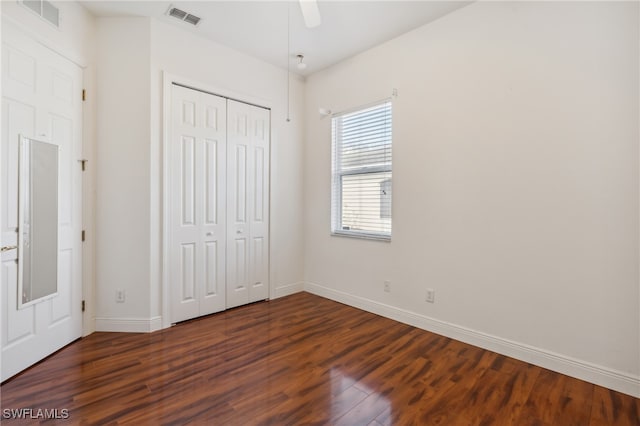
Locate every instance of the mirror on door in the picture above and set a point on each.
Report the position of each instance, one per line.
(38, 221)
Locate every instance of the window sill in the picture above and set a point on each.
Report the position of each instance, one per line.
(361, 236)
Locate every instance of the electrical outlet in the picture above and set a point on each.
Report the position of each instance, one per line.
(387, 286)
(120, 296)
(431, 295)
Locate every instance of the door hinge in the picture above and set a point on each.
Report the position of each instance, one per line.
(84, 95)
(83, 235)
(83, 306)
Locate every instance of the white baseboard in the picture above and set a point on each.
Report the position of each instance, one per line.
(129, 325)
(599, 375)
(288, 289)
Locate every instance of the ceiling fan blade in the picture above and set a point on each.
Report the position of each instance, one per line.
(311, 13)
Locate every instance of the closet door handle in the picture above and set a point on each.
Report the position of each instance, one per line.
(7, 248)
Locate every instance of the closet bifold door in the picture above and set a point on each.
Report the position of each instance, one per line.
(198, 203)
(248, 135)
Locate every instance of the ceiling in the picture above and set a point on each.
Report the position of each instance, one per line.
(259, 28)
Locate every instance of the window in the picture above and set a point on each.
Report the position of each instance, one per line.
(361, 172)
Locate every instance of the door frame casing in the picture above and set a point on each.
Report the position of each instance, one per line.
(168, 79)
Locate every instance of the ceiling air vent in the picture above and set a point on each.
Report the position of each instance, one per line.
(45, 10)
(183, 16)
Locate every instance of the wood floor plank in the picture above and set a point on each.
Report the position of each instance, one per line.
(300, 360)
(610, 408)
(558, 399)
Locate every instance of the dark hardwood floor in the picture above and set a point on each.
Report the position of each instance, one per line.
(301, 360)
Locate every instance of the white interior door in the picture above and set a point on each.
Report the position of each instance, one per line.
(248, 140)
(41, 99)
(198, 184)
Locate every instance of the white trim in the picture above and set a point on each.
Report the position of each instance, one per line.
(362, 107)
(167, 80)
(129, 325)
(583, 370)
(155, 324)
(288, 289)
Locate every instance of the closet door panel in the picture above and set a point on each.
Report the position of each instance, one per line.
(259, 217)
(213, 206)
(198, 196)
(238, 203)
(219, 203)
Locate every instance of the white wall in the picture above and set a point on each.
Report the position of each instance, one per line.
(123, 170)
(515, 184)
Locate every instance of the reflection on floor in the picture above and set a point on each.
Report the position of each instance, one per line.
(300, 360)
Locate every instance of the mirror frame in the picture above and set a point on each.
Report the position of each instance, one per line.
(24, 197)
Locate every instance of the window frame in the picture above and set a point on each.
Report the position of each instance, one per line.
(338, 175)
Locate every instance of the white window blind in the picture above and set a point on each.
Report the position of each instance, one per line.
(361, 172)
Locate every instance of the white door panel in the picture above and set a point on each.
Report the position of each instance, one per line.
(40, 99)
(238, 227)
(259, 276)
(247, 203)
(238, 203)
(219, 178)
(197, 203)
